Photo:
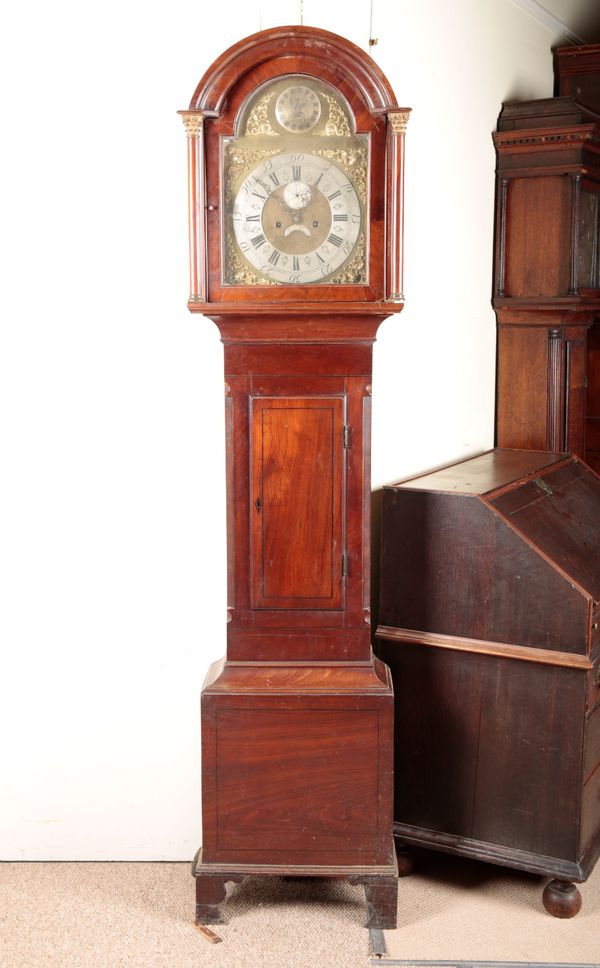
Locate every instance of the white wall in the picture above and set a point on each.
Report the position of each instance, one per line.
(112, 535)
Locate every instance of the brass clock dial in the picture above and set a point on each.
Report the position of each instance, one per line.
(297, 218)
(298, 108)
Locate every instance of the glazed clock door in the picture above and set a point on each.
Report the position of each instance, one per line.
(297, 458)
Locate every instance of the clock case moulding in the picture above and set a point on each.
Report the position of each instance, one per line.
(297, 720)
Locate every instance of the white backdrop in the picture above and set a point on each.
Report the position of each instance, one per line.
(113, 538)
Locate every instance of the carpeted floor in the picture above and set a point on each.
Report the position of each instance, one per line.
(140, 916)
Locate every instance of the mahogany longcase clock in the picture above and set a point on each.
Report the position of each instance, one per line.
(295, 151)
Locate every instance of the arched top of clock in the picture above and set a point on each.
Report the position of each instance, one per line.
(346, 62)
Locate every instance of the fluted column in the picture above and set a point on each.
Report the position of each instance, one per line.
(555, 434)
(193, 123)
(396, 130)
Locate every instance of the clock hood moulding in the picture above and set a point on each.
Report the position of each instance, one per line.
(292, 213)
(351, 64)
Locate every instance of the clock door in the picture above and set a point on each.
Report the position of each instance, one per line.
(297, 483)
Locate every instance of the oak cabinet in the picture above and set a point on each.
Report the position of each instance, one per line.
(489, 614)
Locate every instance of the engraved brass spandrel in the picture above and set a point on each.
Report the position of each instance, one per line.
(264, 116)
(353, 272)
(237, 272)
(259, 119)
(337, 123)
(239, 160)
(352, 160)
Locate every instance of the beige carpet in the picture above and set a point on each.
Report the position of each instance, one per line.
(139, 916)
(454, 908)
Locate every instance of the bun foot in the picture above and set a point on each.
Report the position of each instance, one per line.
(562, 899)
(406, 859)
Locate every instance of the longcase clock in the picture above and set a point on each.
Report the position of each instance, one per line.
(295, 157)
(547, 264)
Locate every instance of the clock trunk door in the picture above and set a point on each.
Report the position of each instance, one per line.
(297, 485)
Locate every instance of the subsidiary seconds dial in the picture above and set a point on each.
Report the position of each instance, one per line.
(297, 218)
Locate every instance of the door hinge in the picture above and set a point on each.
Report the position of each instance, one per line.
(346, 437)
(345, 564)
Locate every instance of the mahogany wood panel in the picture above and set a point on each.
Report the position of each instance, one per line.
(297, 765)
(297, 485)
(263, 804)
(278, 360)
(345, 607)
(299, 644)
(348, 679)
(349, 610)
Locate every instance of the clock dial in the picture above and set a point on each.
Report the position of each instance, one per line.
(298, 108)
(297, 218)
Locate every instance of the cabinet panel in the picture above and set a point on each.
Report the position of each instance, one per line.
(592, 429)
(522, 388)
(502, 590)
(591, 759)
(494, 768)
(296, 502)
(538, 209)
(528, 776)
(269, 795)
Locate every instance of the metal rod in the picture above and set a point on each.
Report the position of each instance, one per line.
(485, 964)
(377, 943)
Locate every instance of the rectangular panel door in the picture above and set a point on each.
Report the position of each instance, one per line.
(297, 485)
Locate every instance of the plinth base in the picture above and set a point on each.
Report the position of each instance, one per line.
(380, 884)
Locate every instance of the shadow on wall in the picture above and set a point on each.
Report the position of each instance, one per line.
(587, 25)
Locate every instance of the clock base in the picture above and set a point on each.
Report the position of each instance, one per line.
(380, 884)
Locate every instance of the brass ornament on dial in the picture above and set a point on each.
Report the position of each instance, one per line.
(298, 108)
